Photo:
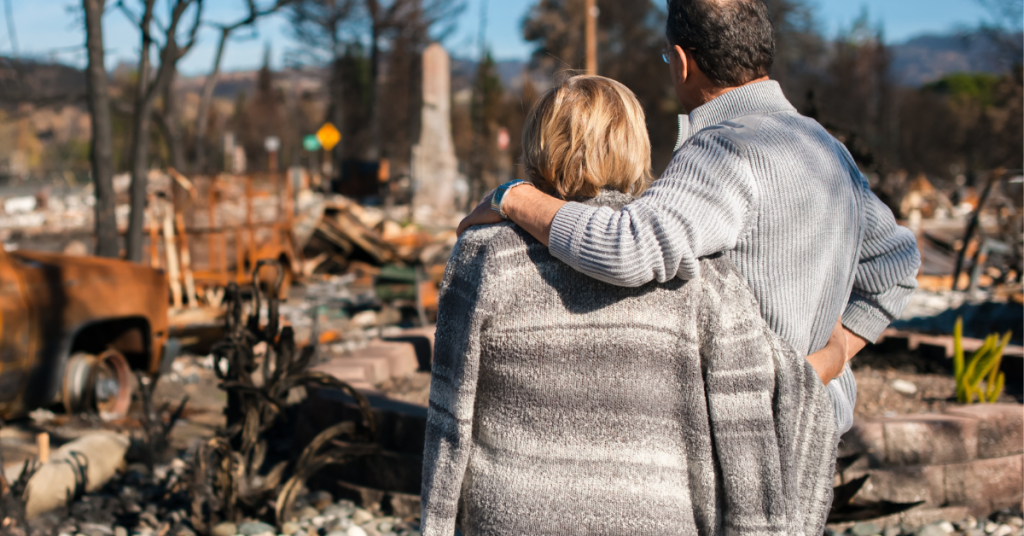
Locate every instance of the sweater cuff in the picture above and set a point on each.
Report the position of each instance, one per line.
(566, 230)
(865, 319)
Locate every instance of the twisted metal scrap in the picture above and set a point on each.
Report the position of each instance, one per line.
(226, 479)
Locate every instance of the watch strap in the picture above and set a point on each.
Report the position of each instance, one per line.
(498, 199)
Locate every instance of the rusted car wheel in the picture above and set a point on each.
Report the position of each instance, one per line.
(98, 384)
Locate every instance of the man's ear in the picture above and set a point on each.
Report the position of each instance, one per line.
(685, 62)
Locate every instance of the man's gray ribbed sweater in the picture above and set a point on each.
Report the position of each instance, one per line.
(784, 201)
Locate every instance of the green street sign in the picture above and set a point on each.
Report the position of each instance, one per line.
(310, 143)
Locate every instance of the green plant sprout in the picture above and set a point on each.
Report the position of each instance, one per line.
(983, 365)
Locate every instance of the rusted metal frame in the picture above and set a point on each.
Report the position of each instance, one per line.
(212, 238)
(154, 235)
(995, 176)
(186, 261)
(250, 230)
(171, 252)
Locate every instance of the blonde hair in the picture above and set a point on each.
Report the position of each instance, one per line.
(585, 134)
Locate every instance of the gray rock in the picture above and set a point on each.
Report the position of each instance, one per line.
(892, 531)
(337, 533)
(95, 528)
(1003, 530)
(289, 528)
(361, 516)
(931, 530)
(320, 499)
(865, 529)
(307, 512)
(253, 528)
(337, 510)
(120, 531)
(224, 529)
(974, 532)
(342, 523)
(355, 531)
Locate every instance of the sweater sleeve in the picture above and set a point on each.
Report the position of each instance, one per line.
(698, 207)
(454, 371)
(886, 274)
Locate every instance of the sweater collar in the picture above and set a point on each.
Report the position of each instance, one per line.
(607, 197)
(759, 97)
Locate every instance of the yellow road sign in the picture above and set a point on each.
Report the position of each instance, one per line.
(328, 136)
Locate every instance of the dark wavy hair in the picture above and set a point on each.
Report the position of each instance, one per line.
(731, 40)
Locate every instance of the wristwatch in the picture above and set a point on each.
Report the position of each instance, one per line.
(499, 196)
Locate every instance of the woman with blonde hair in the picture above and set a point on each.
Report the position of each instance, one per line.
(561, 405)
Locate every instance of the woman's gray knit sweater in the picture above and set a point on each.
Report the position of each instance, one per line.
(561, 405)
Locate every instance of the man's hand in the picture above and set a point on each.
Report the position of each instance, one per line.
(530, 209)
(830, 360)
(481, 215)
(842, 345)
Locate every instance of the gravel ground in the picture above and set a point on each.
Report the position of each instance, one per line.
(319, 514)
(1000, 524)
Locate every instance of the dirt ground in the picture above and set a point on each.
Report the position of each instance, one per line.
(877, 397)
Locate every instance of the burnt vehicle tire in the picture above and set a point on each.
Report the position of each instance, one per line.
(98, 384)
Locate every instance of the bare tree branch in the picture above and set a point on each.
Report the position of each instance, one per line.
(206, 99)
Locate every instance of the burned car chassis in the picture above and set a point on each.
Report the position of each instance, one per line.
(72, 329)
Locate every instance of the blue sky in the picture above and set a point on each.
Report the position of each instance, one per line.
(53, 28)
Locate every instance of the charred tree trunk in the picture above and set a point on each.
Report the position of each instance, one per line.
(145, 95)
(140, 143)
(376, 25)
(172, 131)
(206, 100)
(102, 150)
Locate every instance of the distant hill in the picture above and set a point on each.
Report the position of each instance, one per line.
(927, 58)
(39, 82)
(917, 61)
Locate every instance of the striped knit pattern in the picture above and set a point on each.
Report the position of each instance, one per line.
(782, 199)
(561, 405)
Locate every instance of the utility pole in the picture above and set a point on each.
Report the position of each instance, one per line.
(591, 15)
(11, 35)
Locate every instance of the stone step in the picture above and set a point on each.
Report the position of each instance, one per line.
(377, 368)
(354, 374)
(963, 433)
(915, 517)
(400, 356)
(422, 340)
(1000, 427)
(982, 486)
(375, 363)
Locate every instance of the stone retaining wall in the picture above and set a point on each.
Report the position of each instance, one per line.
(970, 457)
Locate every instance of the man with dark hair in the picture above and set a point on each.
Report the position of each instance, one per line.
(731, 41)
(751, 179)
